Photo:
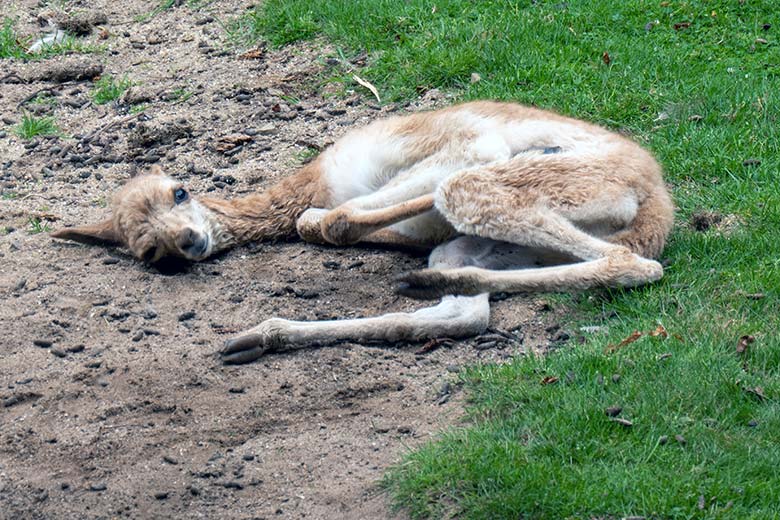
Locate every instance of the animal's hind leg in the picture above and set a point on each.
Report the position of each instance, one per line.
(479, 204)
(453, 317)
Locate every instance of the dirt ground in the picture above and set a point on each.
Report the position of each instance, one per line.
(114, 401)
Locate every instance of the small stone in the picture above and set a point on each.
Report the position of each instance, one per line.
(248, 458)
(75, 349)
(43, 343)
(267, 129)
(162, 495)
(58, 352)
(138, 336)
(110, 261)
(170, 460)
(98, 487)
(186, 316)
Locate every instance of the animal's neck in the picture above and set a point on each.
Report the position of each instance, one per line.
(270, 215)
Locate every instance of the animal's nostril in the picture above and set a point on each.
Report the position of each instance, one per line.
(186, 238)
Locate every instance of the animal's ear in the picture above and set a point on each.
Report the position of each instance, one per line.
(101, 234)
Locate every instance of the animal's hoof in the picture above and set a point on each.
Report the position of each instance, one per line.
(243, 349)
(338, 230)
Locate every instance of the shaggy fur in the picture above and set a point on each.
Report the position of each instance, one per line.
(496, 188)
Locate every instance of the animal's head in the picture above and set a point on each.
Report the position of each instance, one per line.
(154, 217)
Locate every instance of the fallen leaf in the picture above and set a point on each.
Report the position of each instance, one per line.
(743, 343)
(613, 411)
(605, 58)
(695, 117)
(680, 439)
(659, 331)
(630, 339)
(701, 503)
(681, 25)
(253, 54)
(751, 162)
(761, 41)
(549, 380)
(621, 421)
(665, 355)
(368, 85)
(433, 345)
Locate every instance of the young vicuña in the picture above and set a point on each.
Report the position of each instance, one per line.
(495, 189)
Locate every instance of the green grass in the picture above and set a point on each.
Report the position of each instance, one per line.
(32, 126)
(12, 45)
(705, 99)
(38, 226)
(109, 88)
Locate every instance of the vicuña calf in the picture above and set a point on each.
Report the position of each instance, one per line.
(494, 189)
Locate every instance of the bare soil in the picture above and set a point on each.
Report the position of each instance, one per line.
(113, 401)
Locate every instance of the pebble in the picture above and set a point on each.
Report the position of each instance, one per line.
(98, 487)
(75, 349)
(185, 316)
(43, 343)
(248, 458)
(161, 495)
(58, 352)
(138, 336)
(110, 261)
(3, 135)
(170, 460)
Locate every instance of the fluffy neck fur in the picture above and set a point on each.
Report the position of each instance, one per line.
(266, 216)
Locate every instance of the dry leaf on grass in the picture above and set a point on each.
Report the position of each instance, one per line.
(368, 85)
(605, 58)
(549, 380)
(627, 341)
(659, 331)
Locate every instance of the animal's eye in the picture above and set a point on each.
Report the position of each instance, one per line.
(180, 195)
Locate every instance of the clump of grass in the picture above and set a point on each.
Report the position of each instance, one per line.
(32, 126)
(10, 44)
(108, 89)
(37, 225)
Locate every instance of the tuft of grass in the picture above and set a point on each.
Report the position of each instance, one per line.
(32, 126)
(108, 89)
(12, 45)
(38, 225)
(693, 81)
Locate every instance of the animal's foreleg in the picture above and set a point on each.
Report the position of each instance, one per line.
(455, 316)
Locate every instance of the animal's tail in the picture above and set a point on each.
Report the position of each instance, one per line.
(647, 234)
